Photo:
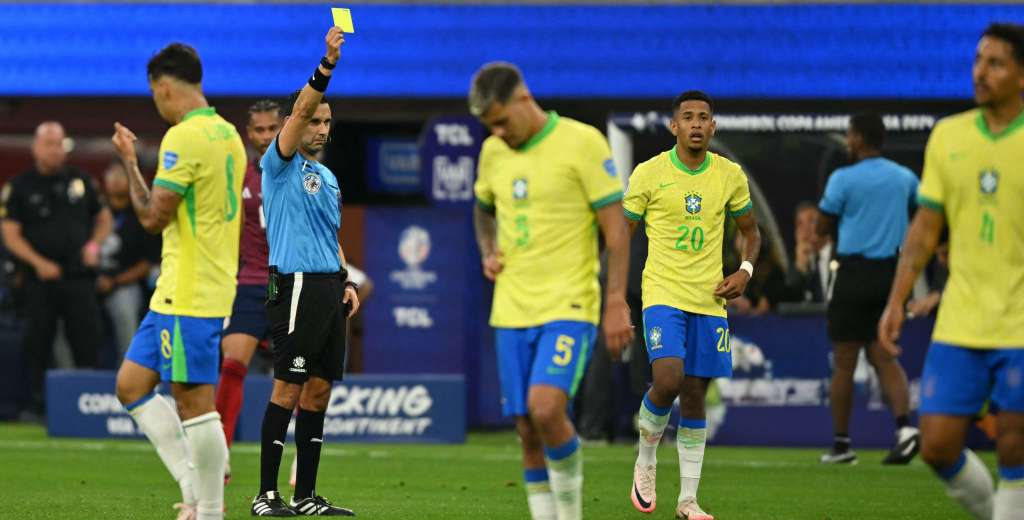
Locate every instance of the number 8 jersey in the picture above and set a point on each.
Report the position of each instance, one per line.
(202, 158)
(684, 212)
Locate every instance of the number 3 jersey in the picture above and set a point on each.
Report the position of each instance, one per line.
(976, 179)
(202, 158)
(545, 194)
(684, 212)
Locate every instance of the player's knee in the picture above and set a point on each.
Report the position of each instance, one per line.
(666, 387)
(128, 391)
(939, 455)
(545, 413)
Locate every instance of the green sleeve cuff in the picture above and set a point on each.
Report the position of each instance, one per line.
(632, 216)
(930, 203)
(742, 211)
(604, 201)
(489, 208)
(173, 186)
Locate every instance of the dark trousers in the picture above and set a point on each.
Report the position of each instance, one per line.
(75, 301)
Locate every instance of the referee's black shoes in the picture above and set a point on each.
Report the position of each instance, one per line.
(908, 443)
(318, 506)
(271, 504)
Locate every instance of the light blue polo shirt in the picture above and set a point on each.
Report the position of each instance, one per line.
(872, 201)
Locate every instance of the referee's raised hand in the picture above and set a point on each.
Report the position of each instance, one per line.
(334, 39)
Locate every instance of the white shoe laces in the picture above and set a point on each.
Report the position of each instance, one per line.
(645, 480)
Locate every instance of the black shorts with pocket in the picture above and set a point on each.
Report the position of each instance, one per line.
(308, 325)
(858, 297)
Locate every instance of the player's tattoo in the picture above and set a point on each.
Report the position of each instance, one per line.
(485, 227)
(137, 188)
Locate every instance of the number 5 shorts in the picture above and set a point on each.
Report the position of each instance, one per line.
(555, 354)
(701, 341)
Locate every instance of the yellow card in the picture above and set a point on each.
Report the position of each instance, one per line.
(343, 19)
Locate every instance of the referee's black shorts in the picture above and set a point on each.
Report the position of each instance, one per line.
(858, 297)
(308, 325)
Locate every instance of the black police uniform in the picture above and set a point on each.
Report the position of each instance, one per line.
(57, 214)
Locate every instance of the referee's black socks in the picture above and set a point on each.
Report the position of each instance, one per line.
(272, 438)
(309, 437)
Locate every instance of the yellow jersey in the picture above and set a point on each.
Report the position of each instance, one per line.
(976, 179)
(684, 213)
(202, 158)
(545, 194)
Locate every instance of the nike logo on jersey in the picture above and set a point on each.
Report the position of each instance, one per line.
(666, 184)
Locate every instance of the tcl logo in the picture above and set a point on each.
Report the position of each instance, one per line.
(453, 135)
(413, 317)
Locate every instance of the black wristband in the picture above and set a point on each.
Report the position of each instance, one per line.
(319, 80)
(353, 285)
(327, 64)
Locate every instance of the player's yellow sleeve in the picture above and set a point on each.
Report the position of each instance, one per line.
(597, 172)
(482, 187)
(177, 166)
(739, 200)
(930, 192)
(634, 205)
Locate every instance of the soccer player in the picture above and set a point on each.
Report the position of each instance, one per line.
(309, 297)
(974, 183)
(545, 184)
(871, 200)
(194, 202)
(683, 197)
(247, 325)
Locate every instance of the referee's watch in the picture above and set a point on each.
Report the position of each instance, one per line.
(353, 285)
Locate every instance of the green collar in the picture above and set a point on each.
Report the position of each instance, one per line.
(204, 111)
(544, 132)
(983, 126)
(685, 169)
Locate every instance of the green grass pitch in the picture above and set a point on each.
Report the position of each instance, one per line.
(75, 478)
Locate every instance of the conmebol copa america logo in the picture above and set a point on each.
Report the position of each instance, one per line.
(414, 249)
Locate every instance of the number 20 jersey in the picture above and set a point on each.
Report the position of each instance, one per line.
(684, 212)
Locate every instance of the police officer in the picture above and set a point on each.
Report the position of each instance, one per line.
(53, 223)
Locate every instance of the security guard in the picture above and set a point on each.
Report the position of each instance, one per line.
(53, 223)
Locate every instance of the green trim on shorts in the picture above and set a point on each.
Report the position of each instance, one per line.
(179, 363)
(581, 367)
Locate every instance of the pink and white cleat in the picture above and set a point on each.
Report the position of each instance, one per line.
(689, 510)
(185, 511)
(644, 494)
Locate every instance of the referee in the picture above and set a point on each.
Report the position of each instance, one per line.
(308, 295)
(871, 200)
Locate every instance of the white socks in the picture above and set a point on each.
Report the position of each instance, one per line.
(652, 422)
(205, 436)
(538, 495)
(565, 467)
(970, 484)
(690, 441)
(1009, 502)
(159, 421)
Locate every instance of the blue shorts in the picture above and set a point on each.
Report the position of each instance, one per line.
(182, 349)
(249, 313)
(701, 341)
(958, 380)
(554, 354)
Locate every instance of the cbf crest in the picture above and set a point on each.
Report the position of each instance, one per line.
(519, 189)
(988, 181)
(311, 182)
(692, 201)
(655, 338)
